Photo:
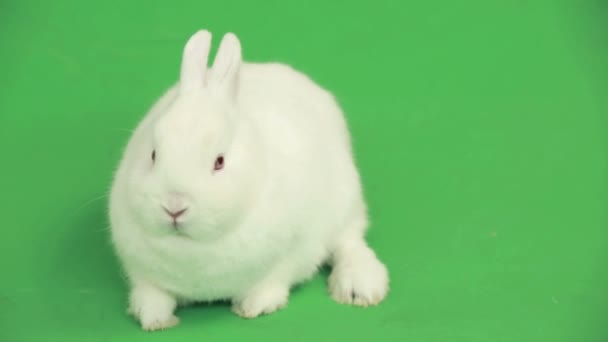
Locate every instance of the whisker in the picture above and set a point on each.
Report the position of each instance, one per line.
(124, 130)
(102, 230)
(89, 202)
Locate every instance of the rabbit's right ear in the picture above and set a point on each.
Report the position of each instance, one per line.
(194, 61)
(223, 77)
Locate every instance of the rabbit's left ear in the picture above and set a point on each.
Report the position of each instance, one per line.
(194, 61)
(223, 76)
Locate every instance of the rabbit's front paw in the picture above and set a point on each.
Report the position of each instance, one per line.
(153, 308)
(262, 300)
(361, 281)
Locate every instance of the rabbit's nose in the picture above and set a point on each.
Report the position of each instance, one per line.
(175, 205)
(175, 214)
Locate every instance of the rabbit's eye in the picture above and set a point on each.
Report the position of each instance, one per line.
(219, 163)
(153, 155)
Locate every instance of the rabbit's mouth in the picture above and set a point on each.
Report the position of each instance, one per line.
(178, 226)
(181, 233)
(180, 229)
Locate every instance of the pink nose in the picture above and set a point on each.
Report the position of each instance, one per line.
(175, 214)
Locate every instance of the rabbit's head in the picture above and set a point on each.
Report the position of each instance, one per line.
(198, 174)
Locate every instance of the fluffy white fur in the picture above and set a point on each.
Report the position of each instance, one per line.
(288, 200)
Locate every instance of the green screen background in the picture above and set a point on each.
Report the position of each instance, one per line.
(479, 128)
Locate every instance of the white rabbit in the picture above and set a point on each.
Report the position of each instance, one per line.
(238, 184)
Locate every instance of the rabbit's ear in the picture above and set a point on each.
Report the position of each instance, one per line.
(223, 76)
(194, 61)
